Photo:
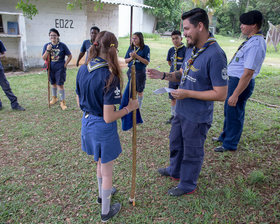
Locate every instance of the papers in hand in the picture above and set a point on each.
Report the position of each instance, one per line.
(163, 90)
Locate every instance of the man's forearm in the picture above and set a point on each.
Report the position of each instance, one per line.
(173, 76)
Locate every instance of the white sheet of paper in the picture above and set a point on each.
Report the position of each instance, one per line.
(163, 90)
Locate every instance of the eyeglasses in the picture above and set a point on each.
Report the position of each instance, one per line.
(53, 35)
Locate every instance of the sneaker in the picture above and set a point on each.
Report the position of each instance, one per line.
(164, 172)
(169, 120)
(18, 108)
(176, 191)
(114, 209)
(114, 191)
(222, 149)
(215, 139)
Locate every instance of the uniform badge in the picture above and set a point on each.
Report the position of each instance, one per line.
(237, 59)
(117, 92)
(224, 74)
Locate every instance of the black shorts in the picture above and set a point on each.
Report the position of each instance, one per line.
(173, 85)
(140, 79)
(58, 75)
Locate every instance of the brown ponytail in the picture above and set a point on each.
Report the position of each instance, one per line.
(107, 43)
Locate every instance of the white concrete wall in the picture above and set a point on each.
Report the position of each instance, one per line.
(105, 18)
(73, 27)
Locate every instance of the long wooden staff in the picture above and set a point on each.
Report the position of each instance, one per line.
(134, 146)
(49, 72)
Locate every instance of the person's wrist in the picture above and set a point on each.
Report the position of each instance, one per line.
(127, 110)
(163, 76)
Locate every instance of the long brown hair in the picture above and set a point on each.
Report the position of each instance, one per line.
(107, 43)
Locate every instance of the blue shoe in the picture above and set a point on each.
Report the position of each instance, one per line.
(18, 108)
(215, 139)
(222, 149)
(114, 209)
(176, 191)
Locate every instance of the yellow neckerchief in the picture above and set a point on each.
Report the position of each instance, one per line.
(257, 34)
(194, 55)
(175, 56)
(136, 53)
(95, 64)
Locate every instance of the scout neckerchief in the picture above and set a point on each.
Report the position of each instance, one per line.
(175, 56)
(55, 46)
(95, 64)
(136, 53)
(248, 38)
(194, 55)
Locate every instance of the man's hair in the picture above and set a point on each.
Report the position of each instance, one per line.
(95, 28)
(196, 16)
(176, 32)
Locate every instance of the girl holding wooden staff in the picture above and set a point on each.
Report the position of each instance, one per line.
(98, 88)
(138, 54)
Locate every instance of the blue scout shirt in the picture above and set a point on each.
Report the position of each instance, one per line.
(2, 51)
(250, 56)
(90, 87)
(180, 57)
(85, 47)
(58, 53)
(209, 69)
(144, 53)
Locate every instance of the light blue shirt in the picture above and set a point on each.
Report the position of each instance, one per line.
(250, 56)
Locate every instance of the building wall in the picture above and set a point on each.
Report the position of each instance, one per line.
(73, 27)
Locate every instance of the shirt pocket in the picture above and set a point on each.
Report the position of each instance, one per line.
(239, 55)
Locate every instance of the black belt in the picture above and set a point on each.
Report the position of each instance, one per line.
(91, 113)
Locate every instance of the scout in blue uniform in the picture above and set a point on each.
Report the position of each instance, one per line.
(57, 50)
(87, 44)
(175, 59)
(242, 70)
(203, 80)
(6, 85)
(138, 54)
(98, 88)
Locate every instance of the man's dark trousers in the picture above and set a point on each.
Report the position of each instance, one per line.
(7, 89)
(186, 151)
(234, 116)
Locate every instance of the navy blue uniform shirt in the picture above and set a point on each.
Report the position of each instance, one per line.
(90, 87)
(2, 51)
(180, 57)
(85, 47)
(208, 70)
(144, 53)
(58, 53)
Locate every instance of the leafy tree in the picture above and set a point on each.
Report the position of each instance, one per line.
(30, 10)
(166, 12)
(229, 13)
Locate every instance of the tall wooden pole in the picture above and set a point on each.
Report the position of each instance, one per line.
(49, 72)
(131, 23)
(134, 145)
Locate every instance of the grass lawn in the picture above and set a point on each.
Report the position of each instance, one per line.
(46, 178)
